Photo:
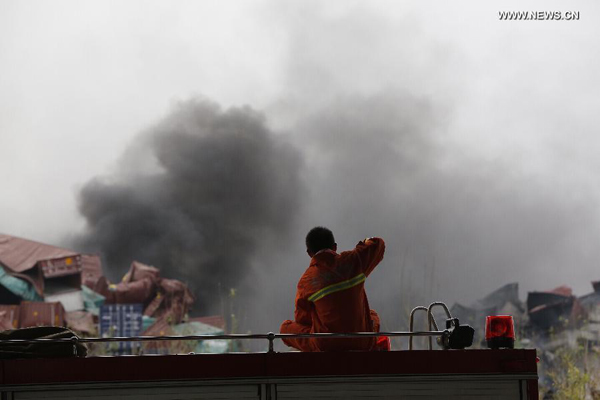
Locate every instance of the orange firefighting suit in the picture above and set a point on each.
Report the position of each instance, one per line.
(331, 298)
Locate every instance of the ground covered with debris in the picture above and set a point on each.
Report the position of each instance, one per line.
(43, 285)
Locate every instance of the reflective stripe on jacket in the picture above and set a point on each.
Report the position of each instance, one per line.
(331, 298)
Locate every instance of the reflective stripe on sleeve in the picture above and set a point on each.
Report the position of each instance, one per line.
(358, 279)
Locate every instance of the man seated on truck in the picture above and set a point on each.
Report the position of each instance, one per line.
(331, 296)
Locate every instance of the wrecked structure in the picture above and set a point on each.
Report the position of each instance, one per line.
(52, 286)
(553, 310)
(45, 282)
(591, 306)
(503, 301)
(549, 319)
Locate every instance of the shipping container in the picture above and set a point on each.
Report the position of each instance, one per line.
(91, 270)
(35, 313)
(61, 266)
(119, 320)
(10, 313)
(139, 271)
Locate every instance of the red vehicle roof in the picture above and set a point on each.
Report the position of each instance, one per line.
(252, 365)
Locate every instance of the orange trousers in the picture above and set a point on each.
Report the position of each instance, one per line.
(336, 344)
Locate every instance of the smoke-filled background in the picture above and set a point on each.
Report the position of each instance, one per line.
(198, 195)
(207, 138)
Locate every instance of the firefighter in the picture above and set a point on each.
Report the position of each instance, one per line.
(331, 296)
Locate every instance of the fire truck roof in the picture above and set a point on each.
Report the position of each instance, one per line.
(256, 365)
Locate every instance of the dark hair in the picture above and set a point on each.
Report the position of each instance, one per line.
(319, 238)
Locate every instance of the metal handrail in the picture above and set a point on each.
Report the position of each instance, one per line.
(432, 324)
(411, 324)
(264, 336)
(431, 320)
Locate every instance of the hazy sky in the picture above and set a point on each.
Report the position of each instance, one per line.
(514, 103)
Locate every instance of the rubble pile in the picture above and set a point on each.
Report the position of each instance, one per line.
(163, 300)
(43, 285)
(503, 301)
(554, 309)
(549, 318)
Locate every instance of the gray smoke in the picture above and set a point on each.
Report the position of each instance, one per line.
(375, 110)
(198, 195)
(456, 226)
(214, 198)
(402, 141)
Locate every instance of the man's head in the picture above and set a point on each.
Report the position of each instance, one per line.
(319, 238)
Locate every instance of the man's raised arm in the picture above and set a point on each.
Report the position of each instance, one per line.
(370, 253)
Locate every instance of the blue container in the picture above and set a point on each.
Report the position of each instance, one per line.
(121, 320)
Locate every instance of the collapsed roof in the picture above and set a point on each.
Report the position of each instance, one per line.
(19, 258)
(20, 255)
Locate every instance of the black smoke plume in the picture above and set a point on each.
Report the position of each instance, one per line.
(199, 195)
(214, 198)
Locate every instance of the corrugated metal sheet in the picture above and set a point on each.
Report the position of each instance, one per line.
(91, 270)
(139, 271)
(154, 305)
(126, 292)
(61, 266)
(121, 320)
(177, 301)
(163, 298)
(19, 254)
(10, 316)
(41, 314)
(135, 292)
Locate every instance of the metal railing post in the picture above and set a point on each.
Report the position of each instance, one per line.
(271, 338)
(411, 325)
(431, 318)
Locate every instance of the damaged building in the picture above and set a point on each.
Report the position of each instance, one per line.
(554, 310)
(547, 319)
(503, 301)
